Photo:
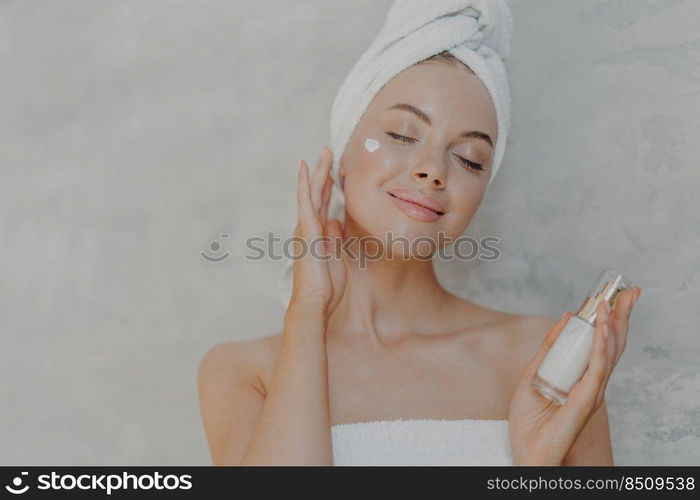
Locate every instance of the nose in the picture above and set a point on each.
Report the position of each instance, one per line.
(431, 174)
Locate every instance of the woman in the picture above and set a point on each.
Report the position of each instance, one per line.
(379, 363)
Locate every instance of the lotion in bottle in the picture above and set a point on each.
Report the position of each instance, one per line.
(567, 359)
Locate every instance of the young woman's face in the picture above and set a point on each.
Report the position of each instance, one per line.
(430, 131)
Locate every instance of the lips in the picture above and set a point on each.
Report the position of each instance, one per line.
(418, 198)
(417, 205)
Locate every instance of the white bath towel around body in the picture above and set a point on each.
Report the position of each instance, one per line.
(422, 442)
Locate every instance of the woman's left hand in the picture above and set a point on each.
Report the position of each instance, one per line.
(541, 431)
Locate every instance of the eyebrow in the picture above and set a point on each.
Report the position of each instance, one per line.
(420, 114)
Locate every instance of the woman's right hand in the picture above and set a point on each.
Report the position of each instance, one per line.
(318, 283)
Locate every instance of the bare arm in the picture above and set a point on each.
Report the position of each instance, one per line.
(294, 426)
(230, 400)
(287, 422)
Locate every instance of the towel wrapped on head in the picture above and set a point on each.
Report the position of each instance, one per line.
(477, 32)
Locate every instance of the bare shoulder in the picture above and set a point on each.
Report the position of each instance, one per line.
(513, 339)
(248, 361)
(532, 328)
(231, 386)
(517, 327)
(526, 331)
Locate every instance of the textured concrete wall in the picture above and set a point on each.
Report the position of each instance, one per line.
(135, 133)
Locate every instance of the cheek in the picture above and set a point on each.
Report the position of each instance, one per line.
(372, 161)
(465, 206)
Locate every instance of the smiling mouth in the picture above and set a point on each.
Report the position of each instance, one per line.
(417, 204)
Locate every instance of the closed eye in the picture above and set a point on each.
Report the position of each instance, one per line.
(470, 164)
(401, 138)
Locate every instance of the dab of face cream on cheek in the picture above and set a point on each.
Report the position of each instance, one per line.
(371, 145)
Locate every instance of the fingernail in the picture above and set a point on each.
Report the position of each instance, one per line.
(607, 308)
(605, 330)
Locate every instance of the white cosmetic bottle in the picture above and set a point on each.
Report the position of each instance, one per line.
(567, 359)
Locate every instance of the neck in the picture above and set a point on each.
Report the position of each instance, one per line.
(388, 298)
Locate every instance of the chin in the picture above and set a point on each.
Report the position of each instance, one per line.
(408, 233)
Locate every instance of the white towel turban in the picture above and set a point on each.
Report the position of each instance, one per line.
(477, 32)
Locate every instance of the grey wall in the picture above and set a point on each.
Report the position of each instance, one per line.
(134, 133)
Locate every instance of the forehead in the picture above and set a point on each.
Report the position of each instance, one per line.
(445, 92)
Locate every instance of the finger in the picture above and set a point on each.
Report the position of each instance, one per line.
(611, 348)
(319, 179)
(582, 397)
(621, 313)
(621, 326)
(609, 338)
(532, 366)
(298, 229)
(335, 231)
(325, 200)
(300, 196)
(328, 243)
(611, 356)
(309, 224)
